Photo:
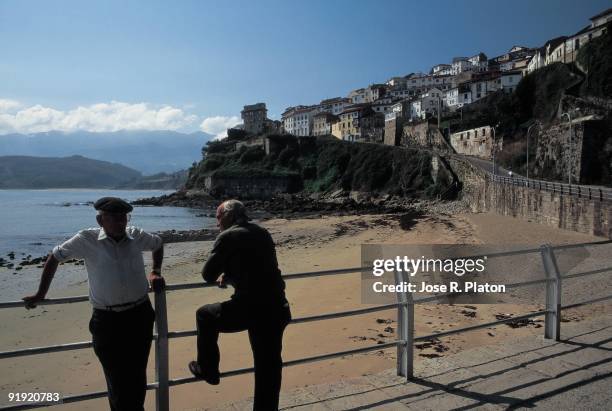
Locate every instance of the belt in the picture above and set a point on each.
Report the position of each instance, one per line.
(122, 307)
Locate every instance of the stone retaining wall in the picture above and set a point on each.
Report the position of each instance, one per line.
(581, 214)
(250, 187)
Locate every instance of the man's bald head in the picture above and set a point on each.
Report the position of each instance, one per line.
(231, 212)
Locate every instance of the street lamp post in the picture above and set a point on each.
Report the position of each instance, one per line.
(537, 123)
(569, 159)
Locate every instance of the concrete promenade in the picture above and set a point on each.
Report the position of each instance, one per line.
(531, 372)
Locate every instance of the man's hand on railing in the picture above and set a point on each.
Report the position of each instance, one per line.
(221, 281)
(157, 282)
(32, 300)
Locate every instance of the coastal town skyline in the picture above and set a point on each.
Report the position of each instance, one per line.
(75, 85)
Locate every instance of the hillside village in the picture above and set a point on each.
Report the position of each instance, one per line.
(537, 116)
(393, 112)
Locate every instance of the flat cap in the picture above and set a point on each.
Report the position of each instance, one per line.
(113, 205)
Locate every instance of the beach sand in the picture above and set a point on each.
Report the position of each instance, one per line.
(307, 244)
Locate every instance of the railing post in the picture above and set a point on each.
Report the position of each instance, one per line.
(552, 318)
(162, 393)
(405, 329)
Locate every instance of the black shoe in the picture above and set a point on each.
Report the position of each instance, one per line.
(211, 378)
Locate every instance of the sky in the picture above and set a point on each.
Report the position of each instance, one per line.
(191, 65)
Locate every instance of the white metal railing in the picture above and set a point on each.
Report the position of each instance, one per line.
(405, 321)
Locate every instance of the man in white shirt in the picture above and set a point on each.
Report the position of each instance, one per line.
(122, 320)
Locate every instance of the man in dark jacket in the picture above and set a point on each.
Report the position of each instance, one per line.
(244, 257)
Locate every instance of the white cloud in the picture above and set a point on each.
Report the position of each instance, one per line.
(218, 125)
(7, 105)
(113, 116)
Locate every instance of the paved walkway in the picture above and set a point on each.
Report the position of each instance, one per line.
(526, 373)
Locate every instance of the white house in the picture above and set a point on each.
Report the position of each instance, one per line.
(400, 109)
(416, 111)
(334, 105)
(433, 101)
(398, 82)
(427, 103)
(451, 98)
(357, 96)
(441, 70)
(401, 93)
(298, 120)
(460, 64)
(368, 94)
(536, 61)
(516, 52)
(482, 88)
(458, 96)
(384, 104)
(374, 92)
(421, 82)
(510, 79)
(479, 62)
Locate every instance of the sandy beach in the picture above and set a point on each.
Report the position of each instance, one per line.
(306, 244)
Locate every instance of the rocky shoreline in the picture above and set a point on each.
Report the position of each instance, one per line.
(174, 236)
(300, 205)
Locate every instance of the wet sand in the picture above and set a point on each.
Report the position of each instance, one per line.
(308, 244)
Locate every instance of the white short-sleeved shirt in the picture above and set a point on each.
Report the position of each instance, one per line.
(115, 270)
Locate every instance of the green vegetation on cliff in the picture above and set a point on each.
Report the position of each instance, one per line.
(596, 58)
(536, 97)
(326, 164)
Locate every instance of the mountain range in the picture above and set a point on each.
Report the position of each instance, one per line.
(23, 172)
(149, 152)
(68, 172)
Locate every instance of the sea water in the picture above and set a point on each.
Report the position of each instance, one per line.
(32, 222)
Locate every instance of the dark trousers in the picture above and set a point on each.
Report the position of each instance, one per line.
(122, 341)
(265, 324)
